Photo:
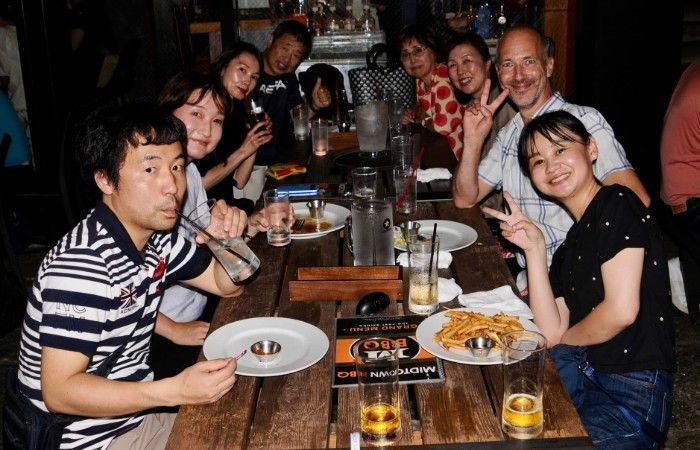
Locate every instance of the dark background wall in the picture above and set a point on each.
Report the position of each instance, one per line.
(628, 61)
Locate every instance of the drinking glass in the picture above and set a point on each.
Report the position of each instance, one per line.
(405, 185)
(377, 361)
(319, 137)
(423, 274)
(300, 117)
(364, 182)
(371, 234)
(233, 254)
(277, 214)
(523, 375)
(372, 123)
(402, 150)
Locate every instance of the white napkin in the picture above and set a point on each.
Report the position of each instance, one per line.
(436, 173)
(501, 298)
(447, 289)
(444, 259)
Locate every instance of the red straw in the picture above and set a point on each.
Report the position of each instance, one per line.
(414, 170)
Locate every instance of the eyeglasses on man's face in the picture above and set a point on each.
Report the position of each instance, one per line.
(416, 52)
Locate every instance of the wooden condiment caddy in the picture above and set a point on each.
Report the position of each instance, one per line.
(345, 283)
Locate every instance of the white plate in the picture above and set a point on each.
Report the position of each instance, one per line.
(335, 215)
(453, 235)
(427, 329)
(302, 344)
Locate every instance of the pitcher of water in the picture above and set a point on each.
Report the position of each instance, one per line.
(372, 122)
(369, 233)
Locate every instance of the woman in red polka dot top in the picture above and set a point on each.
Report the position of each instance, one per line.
(438, 109)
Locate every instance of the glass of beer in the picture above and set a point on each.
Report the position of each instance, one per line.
(377, 361)
(523, 379)
(423, 274)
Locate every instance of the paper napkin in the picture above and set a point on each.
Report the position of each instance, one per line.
(436, 173)
(447, 289)
(501, 298)
(444, 259)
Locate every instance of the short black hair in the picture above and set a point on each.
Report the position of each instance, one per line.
(555, 125)
(179, 88)
(108, 132)
(425, 36)
(295, 29)
(219, 66)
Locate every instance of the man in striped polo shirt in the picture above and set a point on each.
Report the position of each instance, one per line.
(98, 290)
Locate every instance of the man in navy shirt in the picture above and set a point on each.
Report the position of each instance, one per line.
(287, 46)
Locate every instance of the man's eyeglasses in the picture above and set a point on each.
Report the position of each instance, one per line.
(417, 52)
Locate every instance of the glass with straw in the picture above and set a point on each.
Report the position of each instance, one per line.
(423, 274)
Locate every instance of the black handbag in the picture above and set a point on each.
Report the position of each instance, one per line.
(28, 427)
(375, 82)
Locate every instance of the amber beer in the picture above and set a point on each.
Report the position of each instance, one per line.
(522, 416)
(380, 422)
(523, 381)
(377, 361)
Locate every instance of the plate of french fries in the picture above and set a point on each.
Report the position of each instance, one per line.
(445, 334)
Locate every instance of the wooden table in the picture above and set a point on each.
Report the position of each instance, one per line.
(301, 410)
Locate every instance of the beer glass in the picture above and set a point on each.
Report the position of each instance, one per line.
(523, 379)
(377, 361)
(423, 274)
(372, 233)
(277, 207)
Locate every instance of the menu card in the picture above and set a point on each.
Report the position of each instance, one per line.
(415, 365)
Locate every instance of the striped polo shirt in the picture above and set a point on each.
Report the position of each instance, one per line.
(95, 291)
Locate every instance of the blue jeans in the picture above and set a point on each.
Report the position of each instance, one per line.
(649, 393)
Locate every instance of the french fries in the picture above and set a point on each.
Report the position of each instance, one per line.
(465, 325)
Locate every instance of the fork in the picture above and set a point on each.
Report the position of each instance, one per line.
(298, 223)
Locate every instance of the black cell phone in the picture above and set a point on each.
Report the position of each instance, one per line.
(299, 190)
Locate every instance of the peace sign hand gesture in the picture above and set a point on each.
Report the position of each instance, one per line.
(478, 117)
(517, 227)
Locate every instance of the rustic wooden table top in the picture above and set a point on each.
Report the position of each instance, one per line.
(302, 410)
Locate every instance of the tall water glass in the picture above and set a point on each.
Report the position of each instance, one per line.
(319, 137)
(401, 147)
(372, 233)
(300, 118)
(405, 185)
(523, 379)
(277, 214)
(372, 123)
(377, 363)
(423, 274)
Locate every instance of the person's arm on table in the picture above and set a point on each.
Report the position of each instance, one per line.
(181, 333)
(467, 188)
(68, 389)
